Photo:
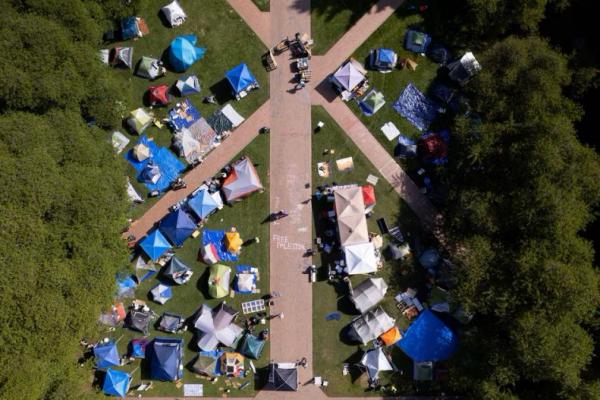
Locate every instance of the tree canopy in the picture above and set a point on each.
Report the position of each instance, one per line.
(522, 188)
(64, 201)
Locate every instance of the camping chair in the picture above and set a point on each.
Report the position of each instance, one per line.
(396, 234)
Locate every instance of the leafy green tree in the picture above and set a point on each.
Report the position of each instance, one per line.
(523, 187)
(61, 246)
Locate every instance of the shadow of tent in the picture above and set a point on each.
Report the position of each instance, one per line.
(355, 371)
(202, 283)
(163, 19)
(261, 377)
(326, 90)
(345, 338)
(344, 304)
(222, 91)
(145, 365)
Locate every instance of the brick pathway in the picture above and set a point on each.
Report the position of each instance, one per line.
(290, 168)
(258, 21)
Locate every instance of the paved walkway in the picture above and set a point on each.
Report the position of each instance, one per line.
(258, 21)
(290, 168)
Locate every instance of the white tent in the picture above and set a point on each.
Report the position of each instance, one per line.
(188, 85)
(174, 13)
(350, 211)
(216, 326)
(119, 141)
(368, 294)
(133, 194)
(360, 258)
(348, 76)
(375, 361)
(370, 326)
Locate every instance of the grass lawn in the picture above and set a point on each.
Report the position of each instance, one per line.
(246, 216)
(263, 5)
(330, 352)
(391, 35)
(330, 19)
(228, 42)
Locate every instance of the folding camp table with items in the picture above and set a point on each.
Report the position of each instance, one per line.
(269, 61)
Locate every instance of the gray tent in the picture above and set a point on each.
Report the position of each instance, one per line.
(462, 70)
(139, 320)
(170, 322)
(216, 326)
(178, 271)
(368, 294)
(375, 361)
(370, 326)
(205, 364)
(282, 377)
(241, 181)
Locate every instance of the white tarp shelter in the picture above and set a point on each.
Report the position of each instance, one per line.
(174, 14)
(370, 325)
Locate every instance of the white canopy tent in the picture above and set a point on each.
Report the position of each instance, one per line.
(368, 294)
(360, 258)
(375, 361)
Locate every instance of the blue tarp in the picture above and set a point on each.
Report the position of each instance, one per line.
(240, 78)
(116, 383)
(183, 116)
(166, 358)
(177, 226)
(125, 284)
(129, 28)
(183, 52)
(428, 339)
(418, 109)
(170, 167)
(202, 204)
(218, 239)
(107, 355)
(155, 245)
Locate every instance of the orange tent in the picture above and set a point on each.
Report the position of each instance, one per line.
(233, 241)
(391, 336)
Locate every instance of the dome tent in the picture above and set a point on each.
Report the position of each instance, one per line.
(183, 52)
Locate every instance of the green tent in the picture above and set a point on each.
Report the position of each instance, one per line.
(218, 281)
(251, 346)
(372, 102)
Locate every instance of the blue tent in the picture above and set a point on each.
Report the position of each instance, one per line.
(177, 226)
(240, 78)
(183, 52)
(166, 359)
(203, 204)
(107, 355)
(384, 59)
(125, 285)
(129, 28)
(116, 383)
(155, 244)
(428, 339)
